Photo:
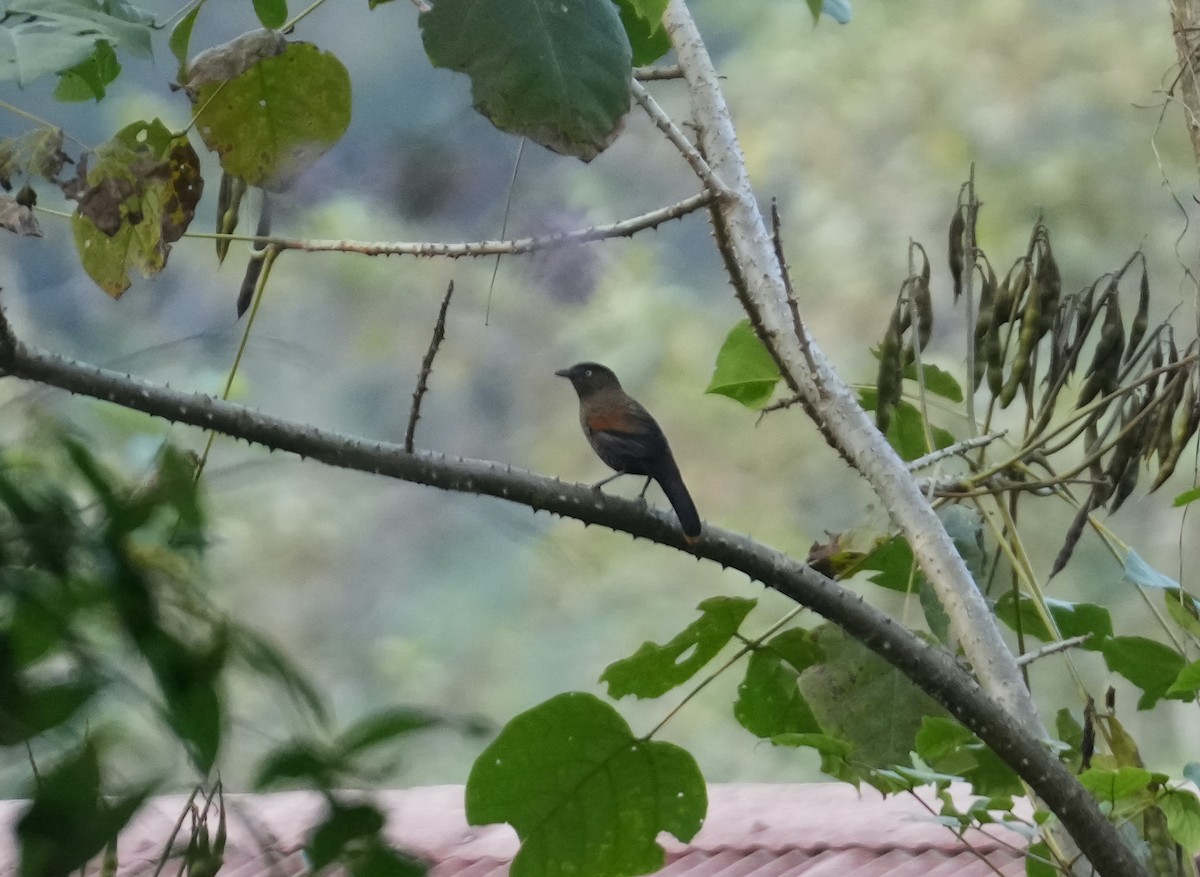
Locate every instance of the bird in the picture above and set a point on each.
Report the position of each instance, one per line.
(628, 439)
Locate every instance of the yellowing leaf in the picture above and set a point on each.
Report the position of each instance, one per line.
(273, 119)
(138, 197)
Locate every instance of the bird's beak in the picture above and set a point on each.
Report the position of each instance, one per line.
(563, 373)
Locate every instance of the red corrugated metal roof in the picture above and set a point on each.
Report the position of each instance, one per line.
(761, 830)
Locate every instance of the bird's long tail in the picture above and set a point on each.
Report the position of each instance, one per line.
(672, 485)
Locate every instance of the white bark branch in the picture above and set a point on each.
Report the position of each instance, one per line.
(471, 249)
(856, 436)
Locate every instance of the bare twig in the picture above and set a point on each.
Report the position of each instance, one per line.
(429, 249)
(1052, 649)
(797, 322)
(439, 332)
(679, 140)
(654, 74)
(954, 449)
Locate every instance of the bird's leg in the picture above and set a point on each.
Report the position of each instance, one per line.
(645, 487)
(605, 481)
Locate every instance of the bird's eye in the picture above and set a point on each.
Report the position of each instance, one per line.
(587, 372)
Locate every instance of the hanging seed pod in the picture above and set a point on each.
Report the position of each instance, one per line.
(1049, 286)
(889, 384)
(1188, 419)
(983, 323)
(1009, 293)
(1106, 361)
(1126, 482)
(1141, 320)
(1027, 339)
(958, 228)
(921, 301)
(1074, 533)
(1102, 485)
(229, 202)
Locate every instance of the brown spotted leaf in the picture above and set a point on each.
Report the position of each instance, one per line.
(137, 197)
(35, 153)
(18, 218)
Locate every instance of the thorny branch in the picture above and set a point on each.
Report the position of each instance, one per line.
(429, 249)
(439, 332)
(932, 669)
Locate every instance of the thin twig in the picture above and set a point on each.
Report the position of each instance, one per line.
(166, 853)
(789, 290)
(512, 185)
(428, 249)
(686, 148)
(655, 74)
(1052, 649)
(955, 449)
(439, 332)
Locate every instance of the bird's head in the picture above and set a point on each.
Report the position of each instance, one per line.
(589, 377)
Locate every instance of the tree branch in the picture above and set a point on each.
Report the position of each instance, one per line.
(439, 332)
(932, 669)
(853, 432)
(429, 249)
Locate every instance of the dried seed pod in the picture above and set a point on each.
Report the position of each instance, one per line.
(1009, 293)
(1106, 361)
(1141, 320)
(983, 323)
(1074, 532)
(1188, 419)
(1031, 323)
(921, 301)
(1049, 286)
(890, 381)
(958, 227)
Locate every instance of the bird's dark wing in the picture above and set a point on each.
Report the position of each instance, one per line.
(627, 438)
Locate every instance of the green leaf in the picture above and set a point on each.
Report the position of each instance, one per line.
(383, 727)
(299, 761)
(583, 793)
(1039, 862)
(555, 71)
(1183, 818)
(69, 821)
(1148, 664)
(89, 79)
(272, 120)
(1077, 619)
(268, 661)
(859, 697)
(379, 860)
(1115, 785)
(937, 381)
(55, 35)
(1187, 683)
(29, 708)
(1187, 497)
(745, 370)
(654, 669)
(342, 827)
(647, 37)
(180, 40)
(948, 747)
(271, 13)
(1184, 610)
(140, 196)
(893, 564)
(769, 702)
